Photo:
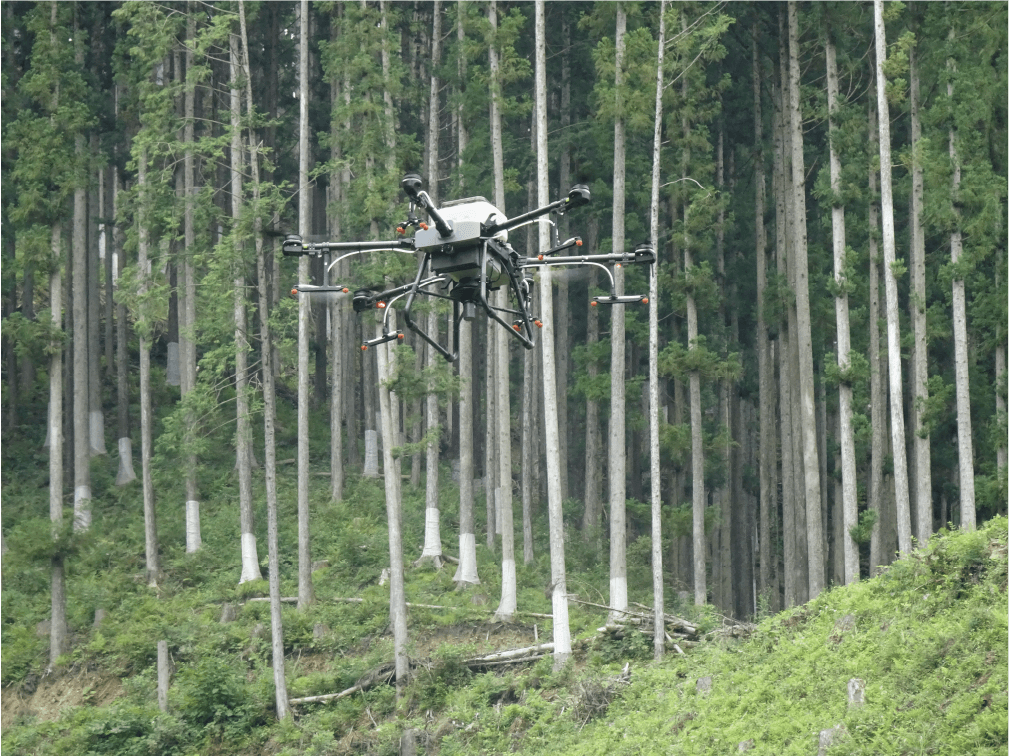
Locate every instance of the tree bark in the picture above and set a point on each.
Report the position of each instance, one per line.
(655, 470)
(804, 337)
(143, 328)
(922, 443)
(965, 444)
(617, 452)
(698, 495)
(269, 405)
(466, 573)
(558, 576)
(890, 287)
(877, 396)
(81, 395)
(125, 472)
(58, 596)
(849, 493)
(393, 509)
(305, 590)
(243, 432)
(187, 330)
(765, 370)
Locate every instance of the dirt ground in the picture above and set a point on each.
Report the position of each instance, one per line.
(56, 693)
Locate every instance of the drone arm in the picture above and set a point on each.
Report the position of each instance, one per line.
(294, 246)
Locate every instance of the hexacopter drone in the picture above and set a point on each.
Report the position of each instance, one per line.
(465, 255)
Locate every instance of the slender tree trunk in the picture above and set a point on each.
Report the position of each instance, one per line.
(890, 285)
(509, 586)
(82, 451)
(877, 396)
(723, 557)
(788, 535)
(432, 521)
(617, 452)
(558, 576)
(187, 330)
(562, 348)
(528, 400)
(922, 443)
(965, 444)
(846, 432)
(269, 404)
(466, 574)
(655, 470)
(143, 328)
(393, 509)
(765, 370)
(243, 433)
(337, 307)
(698, 494)
(305, 590)
(58, 596)
(96, 417)
(125, 473)
(804, 338)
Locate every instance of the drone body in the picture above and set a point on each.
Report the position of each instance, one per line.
(464, 255)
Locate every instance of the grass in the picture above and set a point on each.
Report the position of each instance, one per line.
(928, 637)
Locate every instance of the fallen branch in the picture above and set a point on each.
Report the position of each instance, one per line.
(327, 696)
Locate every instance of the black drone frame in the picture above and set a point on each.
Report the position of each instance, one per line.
(467, 261)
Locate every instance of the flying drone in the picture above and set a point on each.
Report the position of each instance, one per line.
(464, 254)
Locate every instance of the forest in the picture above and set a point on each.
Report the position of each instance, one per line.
(813, 388)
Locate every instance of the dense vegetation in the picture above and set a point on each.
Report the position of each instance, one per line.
(829, 217)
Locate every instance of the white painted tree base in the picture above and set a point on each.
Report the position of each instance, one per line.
(125, 474)
(172, 375)
(250, 559)
(82, 508)
(193, 539)
(370, 454)
(96, 429)
(466, 572)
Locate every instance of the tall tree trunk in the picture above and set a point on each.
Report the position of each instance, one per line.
(187, 330)
(243, 432)
(305, 590)
(788, 505)
(269, 402)
(765, 370)
(499, 426)
(723, 557)
(562, 348)
(466, 574)
(804, 337)
(393, 510)
(655, 470)
(462, 139)
(58, 595)
(846, 431)
(922, 443)
(617, 453)
(143, 329)
(96, 417)
(432, 520)
(125, 472)
(890, 286)
(698, 494)
(965, 444)
(877, 395)
(82, 450)
(558, 576)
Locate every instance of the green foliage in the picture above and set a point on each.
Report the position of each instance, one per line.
(862, 532)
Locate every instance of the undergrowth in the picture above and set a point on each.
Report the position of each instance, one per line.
(928, 637)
